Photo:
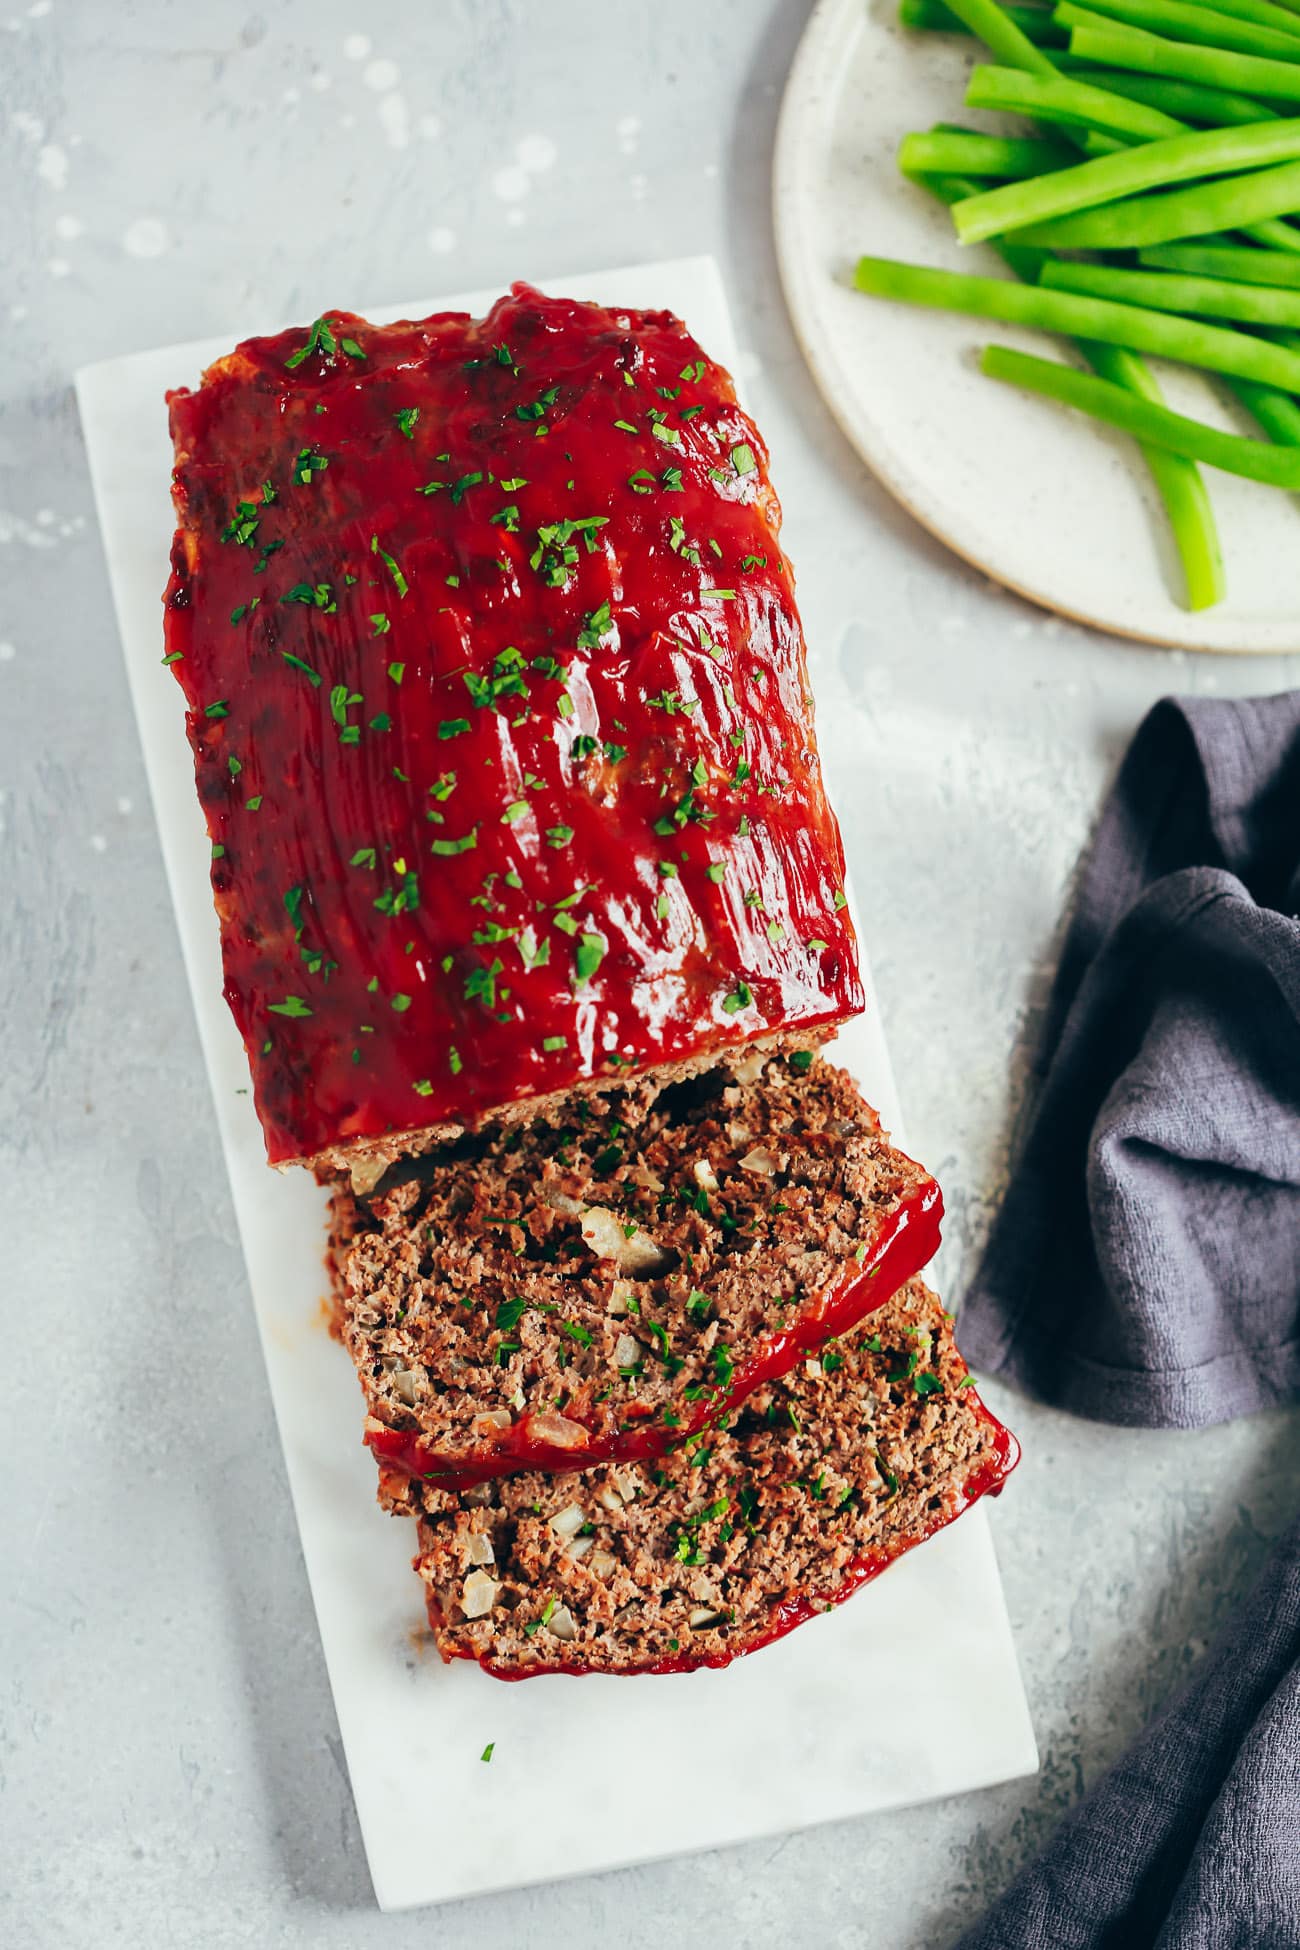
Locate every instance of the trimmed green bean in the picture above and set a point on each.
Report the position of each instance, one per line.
(943, 152)
(1266, 13)
(1187, 340)
(1185, 100)
(1175, 158)
(1277, 413)
(1274, 234)
(1229, 204)
(1177, 481)
(1246, 304)
(1180, 22)
(1054, 98)
(1232, 453)
(1233, 261)
(932, 16)
(999, 33)
(1130, 47)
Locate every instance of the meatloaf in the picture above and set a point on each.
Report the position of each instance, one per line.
(497, 696)
(609, 1279)
(741, 1534)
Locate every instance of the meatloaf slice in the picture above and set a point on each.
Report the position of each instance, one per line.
(595, 1289)
(738, 1536)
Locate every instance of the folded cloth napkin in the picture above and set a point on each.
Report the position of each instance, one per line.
(1145, 1265)
(1193, 1841)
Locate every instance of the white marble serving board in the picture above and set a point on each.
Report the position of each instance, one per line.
(586, 1774)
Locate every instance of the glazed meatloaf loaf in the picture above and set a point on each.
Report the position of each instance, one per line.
(600, 1283)
(497, 695)
(738, 1536)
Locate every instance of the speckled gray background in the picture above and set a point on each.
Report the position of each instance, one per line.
(169, 1764)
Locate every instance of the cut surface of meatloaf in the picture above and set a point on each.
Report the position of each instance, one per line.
(820, 1481)
(497, 694)
(598, 1286)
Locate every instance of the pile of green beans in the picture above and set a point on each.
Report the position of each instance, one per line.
(1162, 140)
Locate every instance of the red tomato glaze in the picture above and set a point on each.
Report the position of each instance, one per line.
(500, 716)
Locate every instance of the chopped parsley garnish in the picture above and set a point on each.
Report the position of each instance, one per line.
(320, 339)
(488, 1751)
(307, 464)
(399, 580)
(740, 998)
(742, 458)
(406, 417)
(293, 1005)
(599, 625)
(589, 954)
(445, 848)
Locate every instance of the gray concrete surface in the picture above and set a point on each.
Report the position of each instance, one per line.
(170, 1771)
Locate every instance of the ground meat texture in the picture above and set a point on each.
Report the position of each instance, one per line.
(597, 1289)
(738, 1536)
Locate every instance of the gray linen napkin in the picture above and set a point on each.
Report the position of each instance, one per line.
(1145, 1265)
(1145, 1268)
(1192, 1842)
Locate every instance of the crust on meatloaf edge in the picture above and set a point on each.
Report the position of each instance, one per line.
(601, 1283)
(819, 1483)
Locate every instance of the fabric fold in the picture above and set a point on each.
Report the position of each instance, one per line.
(1145, 1265)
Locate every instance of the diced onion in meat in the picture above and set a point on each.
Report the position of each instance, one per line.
(762, 1162)
(704, 1175)
(627, 1351)
(477, 1548)
(627, 1483)
(560, 1624)
(702, 1617)
(748, 1069)
(602, 1564)
(568, 1521)
(480, 1594)
(366, 1174)
(608, 1498)
(493, 1418)
(558, 1430)
(579, 1546)
(637, 1255)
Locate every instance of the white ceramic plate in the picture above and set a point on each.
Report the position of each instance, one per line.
(586, 1774)
(1053, 506)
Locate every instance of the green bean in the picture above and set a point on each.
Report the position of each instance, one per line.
(1183, 99)
(1186, 340)
(1175, 158)
(999, 33)
(1054, 98)
(1276, 268)
(1277, 413)
(1129, 47)
(932, 16)
(1157, 425)
(1161, 219)
(1275, 234)
(1266, 13)
(1248, 304)
(1181, 22)
(1177, 481)
(941, 152)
